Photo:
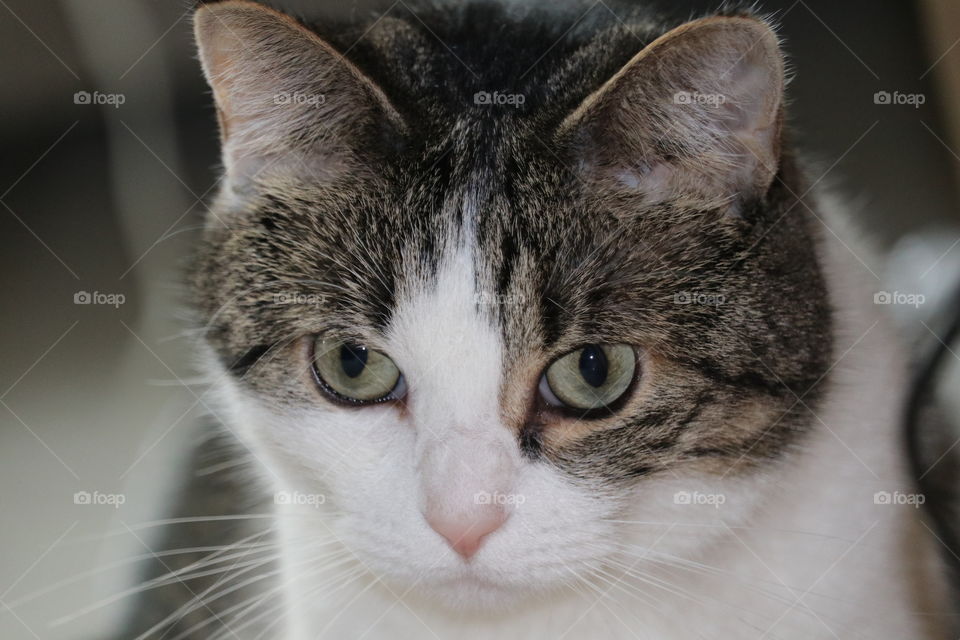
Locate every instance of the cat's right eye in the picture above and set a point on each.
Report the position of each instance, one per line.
(591, 377)
(355, 373)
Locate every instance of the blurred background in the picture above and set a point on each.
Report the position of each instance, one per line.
(109, 153)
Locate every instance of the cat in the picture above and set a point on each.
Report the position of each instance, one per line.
(529, 330)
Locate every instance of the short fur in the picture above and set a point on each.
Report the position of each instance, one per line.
(476, 243)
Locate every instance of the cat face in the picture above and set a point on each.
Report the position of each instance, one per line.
(487, 341)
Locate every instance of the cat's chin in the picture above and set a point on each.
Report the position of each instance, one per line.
(473, 594)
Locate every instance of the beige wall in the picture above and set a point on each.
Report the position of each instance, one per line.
(941, 21)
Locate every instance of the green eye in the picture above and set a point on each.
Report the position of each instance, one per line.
(354, 373)
(589, 378)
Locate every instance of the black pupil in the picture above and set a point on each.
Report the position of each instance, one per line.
(593, 365)
(353, 359)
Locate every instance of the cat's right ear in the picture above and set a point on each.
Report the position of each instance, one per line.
(694, 118)
(288, 103)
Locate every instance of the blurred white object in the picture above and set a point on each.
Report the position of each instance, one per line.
(925, 267)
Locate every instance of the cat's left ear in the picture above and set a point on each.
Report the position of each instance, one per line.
(694, 118)
(288, 102)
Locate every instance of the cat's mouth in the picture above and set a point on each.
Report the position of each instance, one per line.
(471, 590)
(480, 585)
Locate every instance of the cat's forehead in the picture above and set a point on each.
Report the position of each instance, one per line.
(550, 263)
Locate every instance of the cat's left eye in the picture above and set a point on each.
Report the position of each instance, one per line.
(591, 377)
(355, 373)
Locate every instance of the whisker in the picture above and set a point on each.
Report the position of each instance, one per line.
(256, 599)
(345, 578)
(721, 525)
(152, 582)
(174, 578)
(200, 600)
(191, 520)
(141, 526)
(123, 563)
(356, 597)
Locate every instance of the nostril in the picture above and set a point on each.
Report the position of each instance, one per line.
(465, 532)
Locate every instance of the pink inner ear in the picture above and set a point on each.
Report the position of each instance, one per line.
(752, 95)
(289, 104)
(700, 108)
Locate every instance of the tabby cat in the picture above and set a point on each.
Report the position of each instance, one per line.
(520, 329)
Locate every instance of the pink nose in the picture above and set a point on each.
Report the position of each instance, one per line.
(465, 532)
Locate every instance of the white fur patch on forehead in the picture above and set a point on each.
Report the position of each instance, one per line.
(451, 356)
(450, 353)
